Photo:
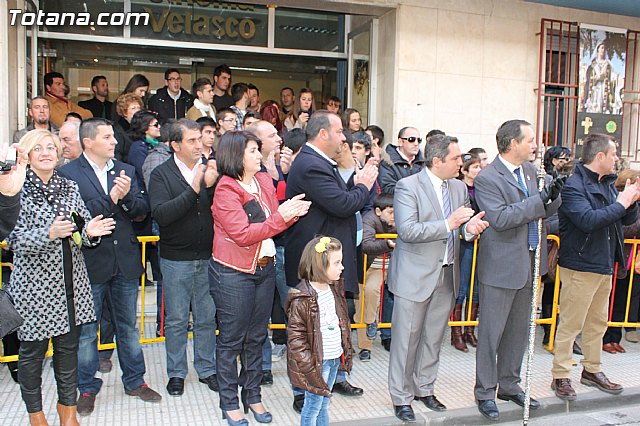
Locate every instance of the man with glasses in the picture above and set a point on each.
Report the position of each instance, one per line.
(226, 119)
(400, 161)
(171, 101)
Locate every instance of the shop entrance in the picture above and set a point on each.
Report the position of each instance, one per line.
(80, 61)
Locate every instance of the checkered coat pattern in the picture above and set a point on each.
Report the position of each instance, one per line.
(37, 281)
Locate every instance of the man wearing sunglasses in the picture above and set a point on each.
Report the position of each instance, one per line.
(400, 161)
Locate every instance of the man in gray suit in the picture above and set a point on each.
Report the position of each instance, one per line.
(431, 209)
(507, 190)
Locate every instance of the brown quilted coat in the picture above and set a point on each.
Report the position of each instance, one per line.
(304, 342)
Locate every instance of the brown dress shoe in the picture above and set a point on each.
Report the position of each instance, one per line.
(86, 404)
(600, 381)
(618, 348)
(145, 393)
(609, 347)
(563, 389)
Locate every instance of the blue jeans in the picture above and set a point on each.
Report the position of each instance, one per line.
(124, 298)
(243, 302)
(315, 411)
(466, 263)
(188, 285)
(387, 311)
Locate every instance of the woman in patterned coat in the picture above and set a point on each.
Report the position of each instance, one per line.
(49, 282)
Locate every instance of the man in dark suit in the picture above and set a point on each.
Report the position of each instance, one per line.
(432, 210)
(99, 105)
(507, 191)
(333, 207)
(110, 188)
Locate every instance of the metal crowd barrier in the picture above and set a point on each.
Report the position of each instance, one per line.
(552, 321)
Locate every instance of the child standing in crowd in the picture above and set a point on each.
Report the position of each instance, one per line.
(319, 332)
(378, 221)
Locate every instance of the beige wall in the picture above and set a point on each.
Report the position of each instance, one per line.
(465, 66)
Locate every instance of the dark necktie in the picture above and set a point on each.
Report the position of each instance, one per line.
(446, 207)
(532, 236)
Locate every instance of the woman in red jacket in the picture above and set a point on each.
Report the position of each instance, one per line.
(246, 216)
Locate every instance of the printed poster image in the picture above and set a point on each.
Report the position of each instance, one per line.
(602, 70)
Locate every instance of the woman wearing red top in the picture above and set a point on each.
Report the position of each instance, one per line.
(246, 215)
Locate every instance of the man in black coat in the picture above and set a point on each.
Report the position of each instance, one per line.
(110, 188)
(181, 193)
(99, 105)
(171, 101)
(333, 207)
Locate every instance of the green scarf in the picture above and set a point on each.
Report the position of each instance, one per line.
(151, 141)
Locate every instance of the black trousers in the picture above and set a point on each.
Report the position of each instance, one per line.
(65, 355)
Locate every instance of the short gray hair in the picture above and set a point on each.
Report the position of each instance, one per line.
(437, 147)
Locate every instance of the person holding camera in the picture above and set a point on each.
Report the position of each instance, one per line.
(12, 176)
(301, 112)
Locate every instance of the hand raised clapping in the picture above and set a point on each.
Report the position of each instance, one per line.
(294, 207)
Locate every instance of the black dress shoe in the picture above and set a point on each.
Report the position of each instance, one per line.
(519, 399)
(404, 413)
(175, 387)
(298, 402)
(386, 344)
(267, 378)
(211, 381)
(432, 403)
(488, 408)
(347, 389)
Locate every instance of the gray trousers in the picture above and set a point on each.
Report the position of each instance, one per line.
(502, 339)
(416, 339)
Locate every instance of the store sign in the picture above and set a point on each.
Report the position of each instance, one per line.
(603, 53)
(203, 21)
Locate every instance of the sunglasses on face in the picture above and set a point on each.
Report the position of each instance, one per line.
(412, 139)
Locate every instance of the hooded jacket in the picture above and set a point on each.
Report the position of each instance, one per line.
(304, 341)
(393, 168)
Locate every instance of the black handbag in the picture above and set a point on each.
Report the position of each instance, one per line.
(10, 319)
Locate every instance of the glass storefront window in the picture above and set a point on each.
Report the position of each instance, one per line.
(75, 17)
(202, 21)
(309, 30)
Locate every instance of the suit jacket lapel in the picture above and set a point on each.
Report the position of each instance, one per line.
(427, 188)
(91, 175)
(508, 176)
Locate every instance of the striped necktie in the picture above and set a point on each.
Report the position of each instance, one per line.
(532, 237)
(446, 207)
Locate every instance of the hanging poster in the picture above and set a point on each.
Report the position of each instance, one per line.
(601, 79)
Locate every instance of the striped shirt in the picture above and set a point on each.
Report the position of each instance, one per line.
(329, 325)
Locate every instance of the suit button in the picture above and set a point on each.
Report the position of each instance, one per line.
(115, 242)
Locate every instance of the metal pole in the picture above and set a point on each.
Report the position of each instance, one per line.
(534, 310)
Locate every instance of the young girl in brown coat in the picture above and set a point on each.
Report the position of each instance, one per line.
(319, 333)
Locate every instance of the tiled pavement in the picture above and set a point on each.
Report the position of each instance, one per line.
(199, 406)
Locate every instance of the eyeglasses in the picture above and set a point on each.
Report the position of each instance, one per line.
(49, 148)
(156, 125)
(174, 79)
(412, 139)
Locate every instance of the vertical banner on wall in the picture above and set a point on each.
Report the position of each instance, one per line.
(601, 76)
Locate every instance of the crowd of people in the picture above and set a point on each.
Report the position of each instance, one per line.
(265, 212)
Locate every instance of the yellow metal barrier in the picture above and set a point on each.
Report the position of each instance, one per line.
(552, 321)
